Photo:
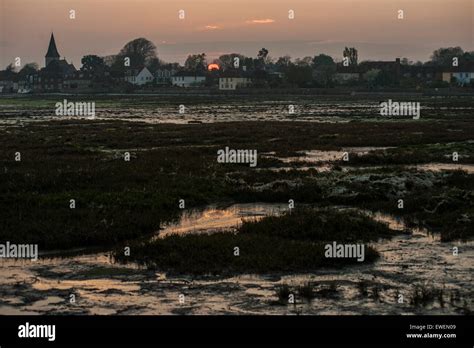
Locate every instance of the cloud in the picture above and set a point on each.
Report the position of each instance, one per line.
(211, 27)
(261, 21)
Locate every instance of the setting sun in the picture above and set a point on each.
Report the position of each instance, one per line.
(213, 66)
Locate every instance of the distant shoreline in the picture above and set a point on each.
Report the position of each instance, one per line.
(263, 92)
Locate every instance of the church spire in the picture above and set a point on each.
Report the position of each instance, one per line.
(52, 53)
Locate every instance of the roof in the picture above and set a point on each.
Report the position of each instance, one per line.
(189, 73)
(381, 65)
(135, 70)
(234, 73)
(6, 75)
(463, 67)
(59, 66)
(341, 69)
(52, 50)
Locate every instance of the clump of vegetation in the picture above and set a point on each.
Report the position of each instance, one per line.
(215, 254)
(306, 291)
(423, 296)
(283, 292)
(329, 291)
(363, 286)
(319, 225)
(376, 293)
(260, 250)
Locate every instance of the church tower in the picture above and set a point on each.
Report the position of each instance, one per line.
(52, 53)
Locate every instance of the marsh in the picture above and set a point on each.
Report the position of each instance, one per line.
(188, 249)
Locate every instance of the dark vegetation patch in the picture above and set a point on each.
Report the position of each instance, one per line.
(259, 249)
(118, 200)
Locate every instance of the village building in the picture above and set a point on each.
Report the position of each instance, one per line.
(8, 82)
(78, 82)
(422, 73)
(188, 79)
(233, 79)
(139, 76)
(52, 76)
(164, 76)
(346, 74)
(462, 75)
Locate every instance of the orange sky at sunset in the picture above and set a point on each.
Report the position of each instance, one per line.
(223, 26)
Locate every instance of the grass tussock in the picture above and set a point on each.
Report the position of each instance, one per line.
(259, 250)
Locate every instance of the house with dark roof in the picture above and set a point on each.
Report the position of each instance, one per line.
(462, 74)
(422, 73)
(233, 79)
(8, 81)
(346, 74)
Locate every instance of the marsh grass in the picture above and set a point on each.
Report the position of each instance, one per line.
(306, 291)
(329, 291)
(283, 293)
(261, 248)
(423, 295)
(118, 200)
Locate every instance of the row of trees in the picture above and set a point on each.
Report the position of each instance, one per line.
(300, 71)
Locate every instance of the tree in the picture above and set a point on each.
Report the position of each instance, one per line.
(154, 64)
(262, 59)
(444, 56)
(226, 61)
(371, 76)
(352, 54)
(140, 51)
(405, 61)
(322, 59)
(196, 63)
(384, 78)
(283, 62)
(468, 56)
(10, 68)
(262, 54)
(28, 69)
(93, 64)
(306, 61)
(323, 74)
(299, 75)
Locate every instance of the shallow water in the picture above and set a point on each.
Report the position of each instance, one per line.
(214, 219)
(321, 156)
(102, 287)
(439, 167)
(312, 109)
(322, 161)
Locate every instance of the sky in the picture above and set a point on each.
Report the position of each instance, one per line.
(217, 27)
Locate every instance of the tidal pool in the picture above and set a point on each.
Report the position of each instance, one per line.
(102, 287)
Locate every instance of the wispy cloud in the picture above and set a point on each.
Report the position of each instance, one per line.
(261, 21)
(211, 27)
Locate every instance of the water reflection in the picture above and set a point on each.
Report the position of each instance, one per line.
(214, 219)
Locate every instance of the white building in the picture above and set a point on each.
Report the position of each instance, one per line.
(463, 74)
(232, 83)
(164, 76)
(139, 76)
(187, 79)
(463, 77)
